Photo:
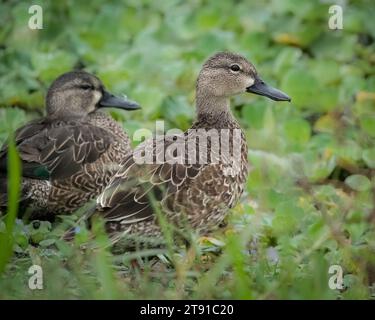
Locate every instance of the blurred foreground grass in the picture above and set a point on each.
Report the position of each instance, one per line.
(309, 202)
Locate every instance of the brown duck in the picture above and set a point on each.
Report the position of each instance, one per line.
(195, 194)
(69, 156)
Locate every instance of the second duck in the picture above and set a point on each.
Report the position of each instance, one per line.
(69, 156)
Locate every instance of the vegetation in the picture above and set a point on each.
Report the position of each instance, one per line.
(309, 201)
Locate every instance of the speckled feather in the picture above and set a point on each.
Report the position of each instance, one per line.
(80, 157)
(196, 195)
(69, 156)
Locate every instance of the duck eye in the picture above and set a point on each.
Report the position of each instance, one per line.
(86, 87)
(235, 67)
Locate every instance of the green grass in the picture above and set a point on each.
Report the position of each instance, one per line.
(309, 199)
(13, 192)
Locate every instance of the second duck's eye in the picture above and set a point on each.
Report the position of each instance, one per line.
(86, 87)
(235, 67)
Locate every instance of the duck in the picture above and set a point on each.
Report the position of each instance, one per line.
(187, 183)
(69, 155)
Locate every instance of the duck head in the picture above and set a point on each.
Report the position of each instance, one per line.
(79, 93)
(226, 74)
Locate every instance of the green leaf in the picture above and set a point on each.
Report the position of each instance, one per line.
(318, 168)
(368, 124)
(300, 85)
(358, 182)
(47, 242)
(297, 131)
(286, 218)
(254, 114)
(368, 156)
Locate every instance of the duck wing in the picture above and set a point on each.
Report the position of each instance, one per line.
(57, 150)
(138, 186)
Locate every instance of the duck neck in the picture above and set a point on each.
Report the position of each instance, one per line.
(212, 108)
(65, 117)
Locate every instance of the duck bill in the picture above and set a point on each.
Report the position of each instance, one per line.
(263, 89)
(109, 100)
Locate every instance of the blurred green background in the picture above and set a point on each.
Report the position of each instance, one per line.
(309, 201)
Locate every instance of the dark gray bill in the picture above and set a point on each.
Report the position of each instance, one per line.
(261, 88)
(110, 100)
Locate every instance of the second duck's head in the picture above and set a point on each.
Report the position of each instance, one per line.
(226, 74)
(79, 93)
